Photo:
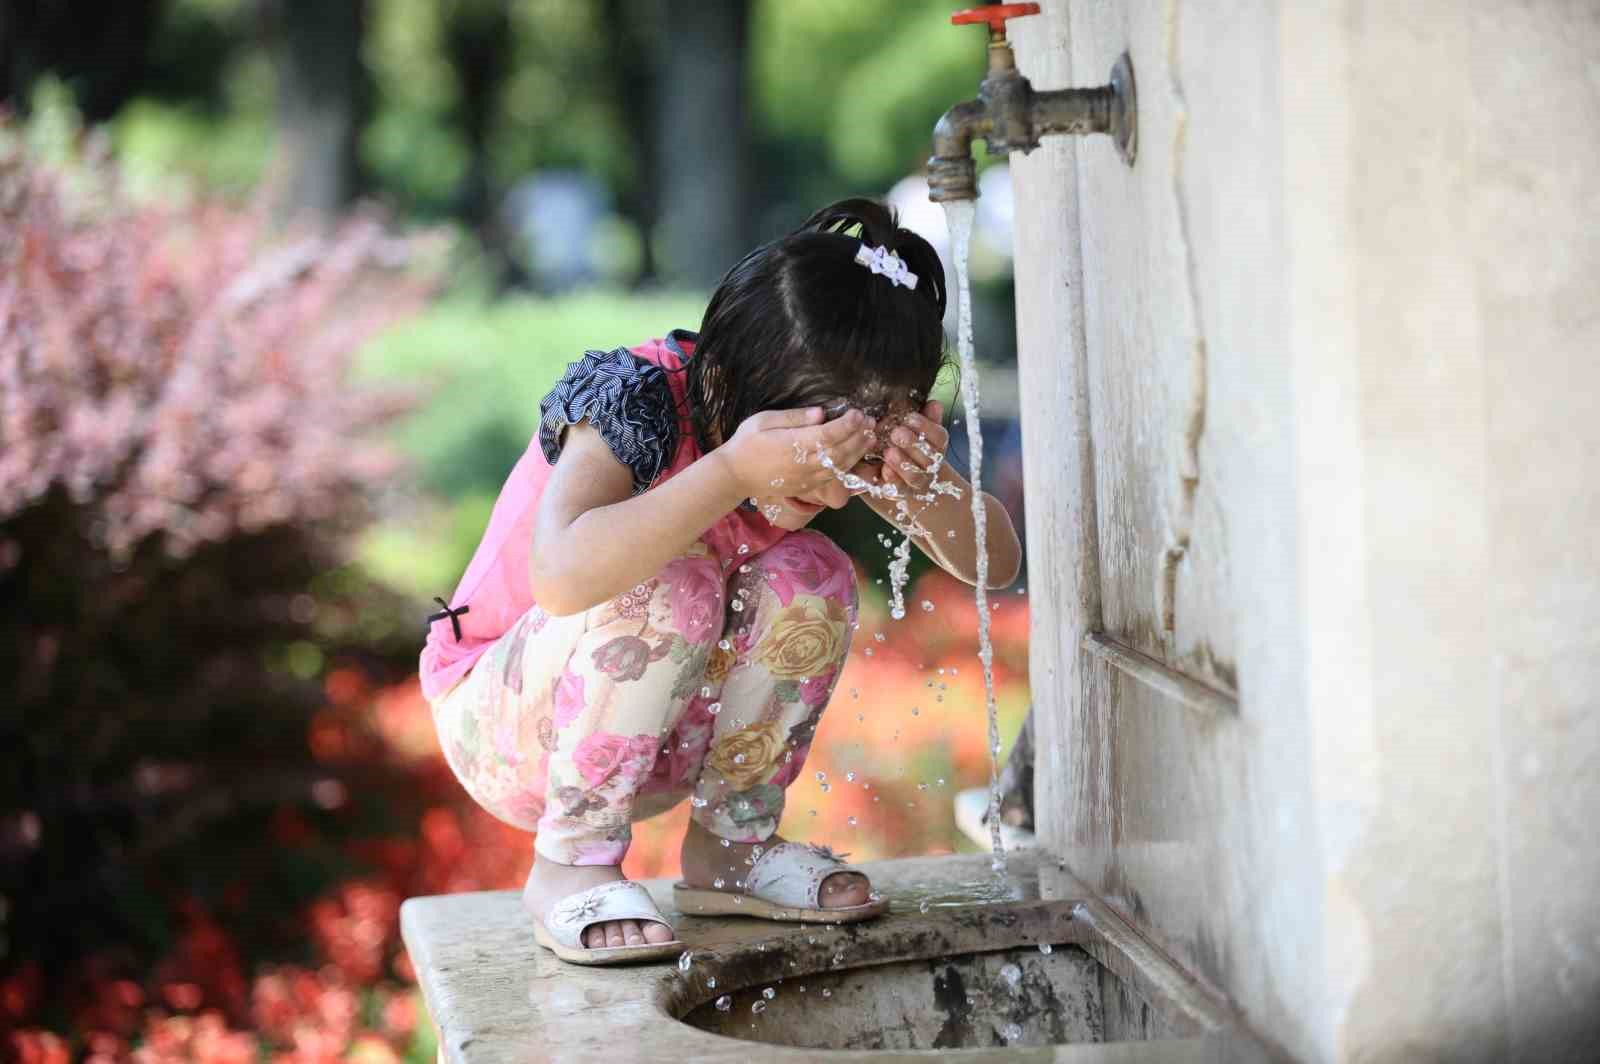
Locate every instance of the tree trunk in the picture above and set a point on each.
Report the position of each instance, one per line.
(316, 46)
(478, 40)
(639, 65)
(703, 155)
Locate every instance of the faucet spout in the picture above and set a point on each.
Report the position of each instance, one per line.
(952, 174)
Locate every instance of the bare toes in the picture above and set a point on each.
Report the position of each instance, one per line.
(613, 933)
(843, 889)
(631, 933)
(657, 932)
(594, 937)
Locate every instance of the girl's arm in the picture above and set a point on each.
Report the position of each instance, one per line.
(594, 539)
(958, 554)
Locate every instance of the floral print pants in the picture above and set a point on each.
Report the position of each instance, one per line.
(704, 682)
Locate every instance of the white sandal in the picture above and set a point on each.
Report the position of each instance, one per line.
(783, 884)
(561, 931)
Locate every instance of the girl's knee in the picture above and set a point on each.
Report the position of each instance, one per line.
(808, 560)
(692, 598)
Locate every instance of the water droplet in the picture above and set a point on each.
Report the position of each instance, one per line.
(1012, 1032)
(744, 548)
(1045, 947)
(705, 692)
(738, 900)
(758, 1006)
(850, 777)
(867, 651)
(713, 709)
(745, 568)
(915, 712)
(850, 820)
(924, 905)
(769, 993)
(927, 607)
(821, 775)
(922, 786)
(826, 992)
(825, 788)
(738, 759)
(724, 1003)
(711, 982)
(879, 636)
(684, 960)
(724, 645)
(951, 534)
(1011, 974)
(738, 605)
(777, 482)
(725, 843)
(939, 782)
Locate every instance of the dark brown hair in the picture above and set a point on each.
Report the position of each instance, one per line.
(798, 321)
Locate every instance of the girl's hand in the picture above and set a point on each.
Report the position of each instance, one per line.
(904, 463)
(775, 452)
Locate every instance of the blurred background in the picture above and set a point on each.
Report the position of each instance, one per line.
(282, 283)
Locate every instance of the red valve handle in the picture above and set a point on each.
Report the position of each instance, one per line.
(994, 14)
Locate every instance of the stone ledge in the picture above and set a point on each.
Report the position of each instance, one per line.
(496, 995)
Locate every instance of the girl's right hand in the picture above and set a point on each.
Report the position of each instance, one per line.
(765, 454)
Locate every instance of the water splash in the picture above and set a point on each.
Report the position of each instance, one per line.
(959, 215)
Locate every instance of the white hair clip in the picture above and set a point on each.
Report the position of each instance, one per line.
(886, 262)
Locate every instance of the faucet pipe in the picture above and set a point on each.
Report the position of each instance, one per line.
(1010, 116)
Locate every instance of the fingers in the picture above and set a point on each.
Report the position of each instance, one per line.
(797, 418)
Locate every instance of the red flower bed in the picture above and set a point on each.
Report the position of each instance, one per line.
(906, 730)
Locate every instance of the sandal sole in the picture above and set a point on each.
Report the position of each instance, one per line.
(698, 901)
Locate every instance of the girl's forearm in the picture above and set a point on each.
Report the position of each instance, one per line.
(627, 542)
(958, 554)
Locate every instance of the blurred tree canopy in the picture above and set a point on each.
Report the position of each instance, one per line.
(766, 109)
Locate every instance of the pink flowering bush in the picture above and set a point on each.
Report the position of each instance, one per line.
(182, 461)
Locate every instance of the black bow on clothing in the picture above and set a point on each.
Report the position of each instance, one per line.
(450, 613)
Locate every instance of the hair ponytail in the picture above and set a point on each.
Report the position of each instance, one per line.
(878, 224)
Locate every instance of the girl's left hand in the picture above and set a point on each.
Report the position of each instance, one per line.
(904, 463)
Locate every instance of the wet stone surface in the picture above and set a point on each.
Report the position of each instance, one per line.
(957, 1002)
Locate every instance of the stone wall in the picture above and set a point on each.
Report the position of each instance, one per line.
(1311, 463)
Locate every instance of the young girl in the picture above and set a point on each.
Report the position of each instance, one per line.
(647, 618)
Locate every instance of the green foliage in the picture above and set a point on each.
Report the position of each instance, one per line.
(863, 80)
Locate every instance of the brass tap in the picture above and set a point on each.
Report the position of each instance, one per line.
(1010, 116)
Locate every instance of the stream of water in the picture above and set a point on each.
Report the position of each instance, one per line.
(959, 215)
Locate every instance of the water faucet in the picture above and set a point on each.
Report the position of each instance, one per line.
(1010, 116)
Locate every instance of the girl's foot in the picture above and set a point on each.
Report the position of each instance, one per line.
(549, 882)
(705, 861)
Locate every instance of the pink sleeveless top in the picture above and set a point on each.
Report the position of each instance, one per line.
(495, 587)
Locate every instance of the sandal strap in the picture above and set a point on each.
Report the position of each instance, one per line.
(791, 873)
(618, 900)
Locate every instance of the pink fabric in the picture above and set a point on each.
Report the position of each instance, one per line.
(495, 586)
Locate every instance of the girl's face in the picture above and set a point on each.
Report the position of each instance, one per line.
(795, 512)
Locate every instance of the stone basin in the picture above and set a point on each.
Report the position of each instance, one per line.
(953, 970)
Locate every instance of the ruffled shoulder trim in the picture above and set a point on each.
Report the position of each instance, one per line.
(623, 396)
